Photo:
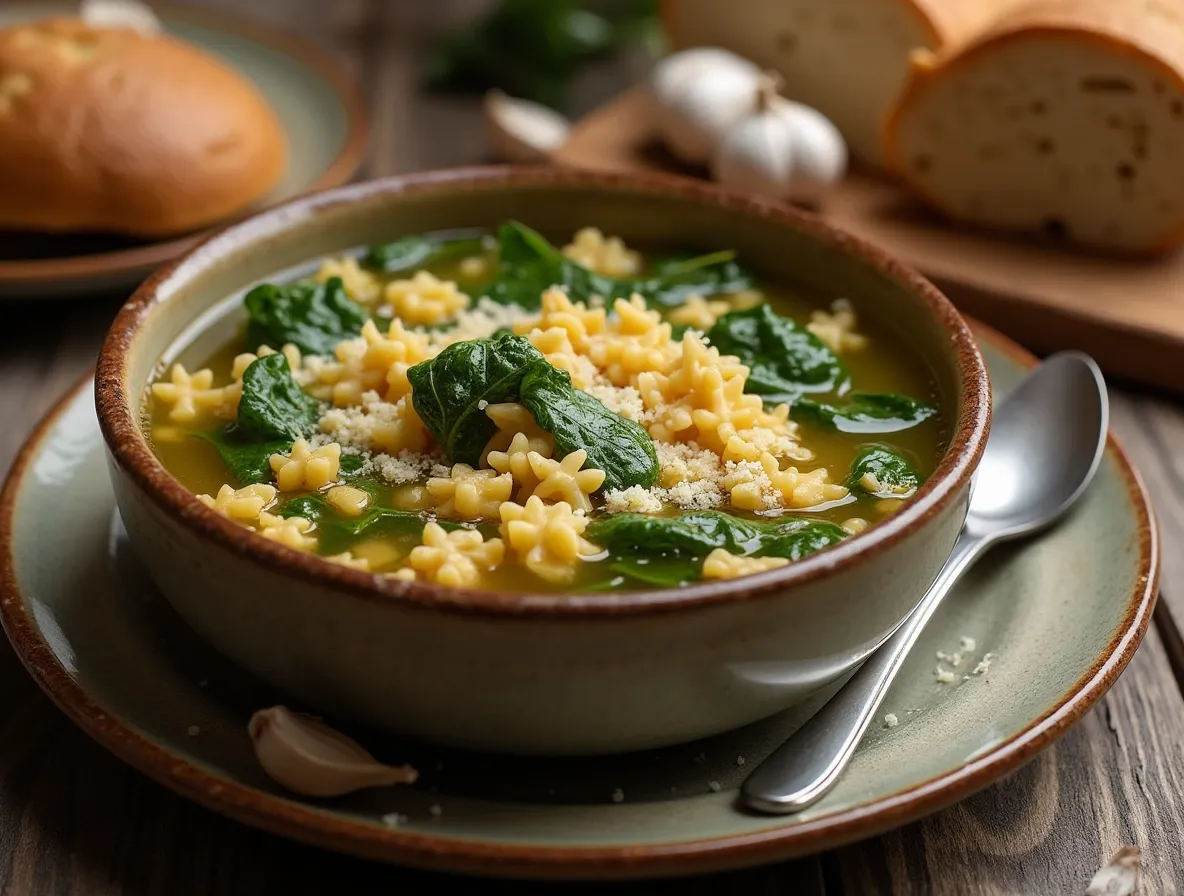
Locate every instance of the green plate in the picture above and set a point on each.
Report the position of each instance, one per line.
(313, 96)
(1061, 615)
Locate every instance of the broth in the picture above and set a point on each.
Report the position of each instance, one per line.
(883, 364)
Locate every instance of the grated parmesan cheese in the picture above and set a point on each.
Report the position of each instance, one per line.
(635, 499)
(890, 720)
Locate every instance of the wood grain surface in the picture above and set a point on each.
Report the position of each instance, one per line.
(74, 820)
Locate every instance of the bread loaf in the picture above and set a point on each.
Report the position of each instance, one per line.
(846, 58)
(105, 129)
(1065, 116)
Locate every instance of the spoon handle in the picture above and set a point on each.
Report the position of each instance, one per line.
(806, 766)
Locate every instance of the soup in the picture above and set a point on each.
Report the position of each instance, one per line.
(497, 412)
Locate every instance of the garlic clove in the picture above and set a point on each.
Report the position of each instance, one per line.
(521, 130)
(820, 152)
(1121, 876)
(308, 757)
(781, 149)
(120, 14)
(697, 95)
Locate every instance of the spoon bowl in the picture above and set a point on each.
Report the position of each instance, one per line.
(1044, 448)
(1046, 443)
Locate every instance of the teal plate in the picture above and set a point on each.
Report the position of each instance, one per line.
(312, 95)
(1061, 615)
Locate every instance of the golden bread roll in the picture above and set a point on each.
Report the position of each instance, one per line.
(106, 129)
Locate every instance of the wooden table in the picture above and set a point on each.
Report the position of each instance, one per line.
(73, 819)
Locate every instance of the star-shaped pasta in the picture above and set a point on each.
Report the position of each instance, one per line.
(191, 395)
(347, 500)
(565, 480)
(837, 328)
(510, 419)
(242, 505)
(548, 538)
(360, 285)
(306, 469)
(400, 430)
(347, 559)
(576, 319)
(515, 460)
(604, 255)
(699, 313)
(457, 558)
(425, 299)
(719, 564)
(469, 494)
(292, 531)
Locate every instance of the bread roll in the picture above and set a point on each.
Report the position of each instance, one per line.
(1065, 117)
(846, 58)
(110, 130)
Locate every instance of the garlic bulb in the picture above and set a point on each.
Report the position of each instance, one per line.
(781, 149)
(119, 14)
(309, 757)
(698, 94)
(521, 130)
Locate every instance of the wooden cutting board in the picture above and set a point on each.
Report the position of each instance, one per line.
(1128, 314)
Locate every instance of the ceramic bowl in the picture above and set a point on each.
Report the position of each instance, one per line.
(522, 672)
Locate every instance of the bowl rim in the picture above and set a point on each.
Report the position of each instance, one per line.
(120, 416)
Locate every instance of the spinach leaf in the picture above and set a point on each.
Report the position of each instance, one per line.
(450, 392)
(339, 533)
(248, 461)
(864, 412)
(895, 477)
(671, 550)
(693, 534)
(529, 265)
(576, 420)
(416, 251)
(272, 406)
(312, 316)
(272, 413)
(447, 390)
(784, 360)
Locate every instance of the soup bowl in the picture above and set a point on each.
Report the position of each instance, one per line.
(542, 673)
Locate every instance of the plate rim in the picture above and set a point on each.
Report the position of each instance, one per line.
(347, 162)
(311, 824)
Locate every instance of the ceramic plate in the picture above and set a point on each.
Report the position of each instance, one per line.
(1061, 617)
(314, 98)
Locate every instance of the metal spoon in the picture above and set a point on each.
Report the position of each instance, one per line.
(1046, 442)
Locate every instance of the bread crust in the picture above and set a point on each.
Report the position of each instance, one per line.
(111, 130)
(1146, 30)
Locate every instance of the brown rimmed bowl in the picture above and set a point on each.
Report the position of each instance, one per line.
(523, 672)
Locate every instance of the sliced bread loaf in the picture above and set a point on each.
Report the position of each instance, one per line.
(1063, 116)
(846, 58)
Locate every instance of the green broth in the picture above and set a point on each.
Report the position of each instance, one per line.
(885, 364)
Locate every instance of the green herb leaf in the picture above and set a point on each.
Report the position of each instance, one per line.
(895, 477)
(576, 420)
(416, 251)
(447, 390)
(529, 265)
(671, 550)
(312, 316)
(272, 406)
(864, 412)
(784, 360)
(338, 533)
(248, 461)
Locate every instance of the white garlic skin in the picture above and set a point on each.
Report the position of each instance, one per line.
(307, 756)
(698, 94)
(783, 150)
(523, 130)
